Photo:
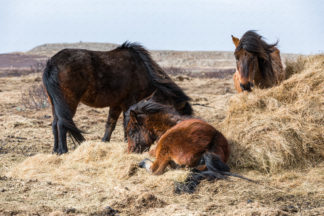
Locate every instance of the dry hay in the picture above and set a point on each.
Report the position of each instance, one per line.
(99, 171)
(282, 127)
(102, 161)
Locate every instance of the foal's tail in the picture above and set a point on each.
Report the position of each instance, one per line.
(159, 78)
(216, 169)
(59, 105)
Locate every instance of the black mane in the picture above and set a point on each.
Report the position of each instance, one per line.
(253, 43)
(158, 76)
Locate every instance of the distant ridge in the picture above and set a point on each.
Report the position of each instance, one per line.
(52, 48)
(195, 61)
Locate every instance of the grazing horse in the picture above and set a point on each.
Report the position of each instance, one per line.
(257, 63)
(183, 141)
(117, 78)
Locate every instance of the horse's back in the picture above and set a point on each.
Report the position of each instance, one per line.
(101, 79)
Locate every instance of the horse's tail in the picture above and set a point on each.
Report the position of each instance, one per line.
(60, 107)
(216, 169)
(159, 78)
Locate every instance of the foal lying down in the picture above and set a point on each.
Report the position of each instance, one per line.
(183, 140)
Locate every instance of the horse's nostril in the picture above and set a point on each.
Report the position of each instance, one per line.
(246, 87)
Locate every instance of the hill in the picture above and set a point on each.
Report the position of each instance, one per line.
(195, 61)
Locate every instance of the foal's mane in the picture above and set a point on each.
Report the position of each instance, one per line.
(152, 107)
(158, 76)
(253, 43)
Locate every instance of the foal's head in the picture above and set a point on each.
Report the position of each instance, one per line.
(139, 137)
(146, 118)
(252, 56)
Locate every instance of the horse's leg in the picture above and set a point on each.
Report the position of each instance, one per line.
(55, 133)
(125, 107)
(54, 129)
(62, 145)
(114, 113)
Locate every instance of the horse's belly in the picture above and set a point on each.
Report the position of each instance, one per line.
(99, 100)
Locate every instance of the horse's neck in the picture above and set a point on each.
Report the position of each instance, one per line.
(161, 123)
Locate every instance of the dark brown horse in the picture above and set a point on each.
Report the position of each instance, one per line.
(183, 141)
(117, 78)
(257, 63)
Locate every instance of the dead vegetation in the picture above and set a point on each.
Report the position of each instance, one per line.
(181, 73)
(35, 98)
(294, 66)
(282, 127)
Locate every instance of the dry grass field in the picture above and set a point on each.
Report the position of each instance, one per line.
(276, 137)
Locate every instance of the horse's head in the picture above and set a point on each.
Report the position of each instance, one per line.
(139, 137)
(246, 65)
(252, 56)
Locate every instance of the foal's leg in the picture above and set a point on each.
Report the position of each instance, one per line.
(159, 166)
(114, 113)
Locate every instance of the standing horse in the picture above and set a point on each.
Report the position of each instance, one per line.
(117, 78)
(257, 63)
(183, 141)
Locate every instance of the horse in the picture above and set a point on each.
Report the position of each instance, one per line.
(257, 63)
(183, 141)
(118, 78)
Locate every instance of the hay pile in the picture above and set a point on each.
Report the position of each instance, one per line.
(281, 127)
(102, 161)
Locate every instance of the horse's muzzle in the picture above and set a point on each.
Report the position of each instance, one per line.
(246, 87)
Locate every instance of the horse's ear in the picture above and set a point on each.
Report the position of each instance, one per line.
(133, 115)
(151, 97)
(235, 40)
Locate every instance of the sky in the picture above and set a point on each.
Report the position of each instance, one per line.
(162, 24)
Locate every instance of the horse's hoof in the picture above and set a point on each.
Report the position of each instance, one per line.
(105, 139)
(143, 162)
(62, 151)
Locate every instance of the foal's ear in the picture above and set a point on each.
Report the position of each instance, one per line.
(151, 97)
(235, 40)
